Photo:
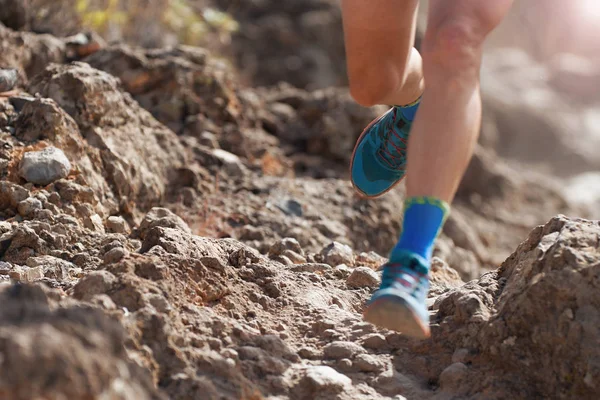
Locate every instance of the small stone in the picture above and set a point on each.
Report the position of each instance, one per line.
(114, 255)
(116, 224)
(284, 244)
(103, 301)
(230, 353)
(452, 376)
(29, 206)
(11, 194)
(162, 217)
(338, 350)
(309, 353)
(323, 378)
(229, 160)
(370, 259)
(344, 364)
(375, 341)
(368, 363)
(26, 274)
(330, 334)
(363, 277)
(84, 210)
(337, 253)
(5, 268)
(45, 166)
(81, 45)
(282, 259)
(208, 139)
(342, 271)
(96, 282)
(53, 267)
(94, 223)
(19, 101)
(460, 355)
(294, 257)
(319, 327)
(8, 79)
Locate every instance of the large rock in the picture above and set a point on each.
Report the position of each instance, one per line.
(532, 323)
(27, 52)
(35, 334)
(137, 153)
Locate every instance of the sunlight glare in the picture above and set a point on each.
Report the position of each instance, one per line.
(589, 9)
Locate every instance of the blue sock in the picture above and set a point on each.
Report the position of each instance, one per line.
(423, 221)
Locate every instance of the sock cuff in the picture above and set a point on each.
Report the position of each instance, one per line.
(430, 200)
(411, 104)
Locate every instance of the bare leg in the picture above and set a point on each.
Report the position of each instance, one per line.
(383, 66)
(442, 135)
(446, 127)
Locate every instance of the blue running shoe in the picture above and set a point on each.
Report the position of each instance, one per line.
(379, 158)
(399, 304)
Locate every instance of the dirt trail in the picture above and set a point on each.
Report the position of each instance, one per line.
(206, 244)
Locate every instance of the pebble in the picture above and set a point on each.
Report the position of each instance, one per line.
(94, 223)
(19, 101)
(344, 364)
(368, 363)
(375, 341)
(29, 206)
(231, 162)
(339, 349)
(45, 166)
(337, 253)
(14, 193)
(342, 271)
(294, 257)
(114, 255)
(363, 277)
(230, 353)
(163, 217)
(26, 274)
(96, 282)
(452, 376)
(280, 246)
(116, 224)
(8, 79)
(53, 267)
(371, 259)
(309, 353)
(460, 355)
(323, 378)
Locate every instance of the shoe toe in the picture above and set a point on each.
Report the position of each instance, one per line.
(367, 175)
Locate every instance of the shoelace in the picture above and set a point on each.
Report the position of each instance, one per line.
(407, 276)
(393, 147)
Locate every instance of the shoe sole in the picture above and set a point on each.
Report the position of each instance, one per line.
(395, 314)
(364, 132)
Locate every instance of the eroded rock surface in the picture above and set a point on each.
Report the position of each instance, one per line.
(206, 243)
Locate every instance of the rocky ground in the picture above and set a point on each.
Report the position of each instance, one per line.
(168, 233)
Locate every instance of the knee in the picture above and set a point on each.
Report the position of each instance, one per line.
(370, 85)
(453, 47)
